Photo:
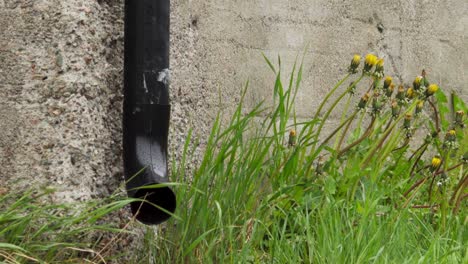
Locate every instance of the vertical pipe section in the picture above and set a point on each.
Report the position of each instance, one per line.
(146, 108)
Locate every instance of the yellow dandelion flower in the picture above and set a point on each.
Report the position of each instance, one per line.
(435, 163)
(371, 59)
(379, 68)
(356, 60)
(379, 63)
(432, 89)
(354, 63)
(369, 62)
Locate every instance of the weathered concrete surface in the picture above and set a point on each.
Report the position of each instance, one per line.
(61, 70)
(60, 94)
(410, 35)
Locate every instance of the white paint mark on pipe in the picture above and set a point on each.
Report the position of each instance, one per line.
(144, 83)
(164, 76)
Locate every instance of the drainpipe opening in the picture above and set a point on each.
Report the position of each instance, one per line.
(148, 212)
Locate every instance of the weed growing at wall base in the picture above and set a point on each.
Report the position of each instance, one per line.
(387, 185)
(35, 230)
(370, 191)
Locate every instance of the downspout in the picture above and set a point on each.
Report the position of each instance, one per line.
(146, 110)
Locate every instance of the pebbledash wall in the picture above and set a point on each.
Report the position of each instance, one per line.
(61, 71)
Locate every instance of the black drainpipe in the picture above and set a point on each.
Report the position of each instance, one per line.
(146, 108)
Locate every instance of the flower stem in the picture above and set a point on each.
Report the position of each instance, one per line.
(364, 136)
(343, 135)
(327, 114)
(417, 186)
(422, 149)
(423, 180)
(406, 143)
(330, 94)
(384, 137)
(343, 115)
(458, 189)
(347, 121)
(436, 116)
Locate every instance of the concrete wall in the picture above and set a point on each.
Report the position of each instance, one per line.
(229, 36)
(61, 70)
(60, 94)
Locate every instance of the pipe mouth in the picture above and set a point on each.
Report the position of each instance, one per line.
(149, 211)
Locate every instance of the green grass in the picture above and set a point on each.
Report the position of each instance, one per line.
(255, 199)
(262, 195)
(34, 230)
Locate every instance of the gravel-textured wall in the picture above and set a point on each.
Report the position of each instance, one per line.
(60, 94)
(61, 70)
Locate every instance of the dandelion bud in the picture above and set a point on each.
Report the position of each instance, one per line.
(401, 93)
(319, 165)
(389, 90)
(377, 104)
(387, 82)
(435, 163)
(451, 136)
(363, 102)
(292, 138)
(354, 64)
(459, 117)
(395, 109)
(451, 140)
(379, 66)
(369, 62)
(410, 93)
(432, 89)
(419, 106)
(407, 121)
(417, 83)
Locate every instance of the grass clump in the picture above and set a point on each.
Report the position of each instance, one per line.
(271, 189)
(283, 191)
(35, 230)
